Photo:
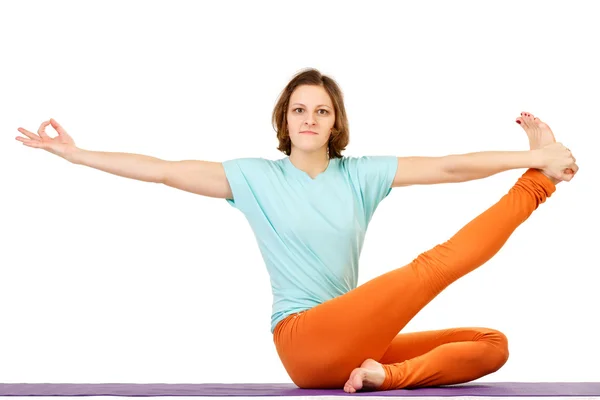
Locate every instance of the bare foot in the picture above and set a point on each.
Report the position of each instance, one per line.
(539, 134)
(370, 375)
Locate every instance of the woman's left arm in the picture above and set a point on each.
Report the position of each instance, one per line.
(462, 167)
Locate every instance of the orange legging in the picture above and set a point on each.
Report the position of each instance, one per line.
(321, 346)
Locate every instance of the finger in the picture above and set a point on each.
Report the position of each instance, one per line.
(58, 127)
(570, 172)
(23, 140)
(574, 168)
(569, 168)
(42, 131)
(31, 143)
(30, 135)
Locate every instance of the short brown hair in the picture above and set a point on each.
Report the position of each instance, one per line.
(340, 135)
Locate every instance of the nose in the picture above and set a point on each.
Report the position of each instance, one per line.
(309, 121)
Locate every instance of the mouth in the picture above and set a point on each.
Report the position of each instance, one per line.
(308, 132)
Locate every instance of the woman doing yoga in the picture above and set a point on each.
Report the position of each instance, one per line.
(309, 212)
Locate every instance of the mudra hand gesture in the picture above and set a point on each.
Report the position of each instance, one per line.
(61, 145)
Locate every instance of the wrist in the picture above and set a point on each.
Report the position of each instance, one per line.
(72, 155)
(537, 159)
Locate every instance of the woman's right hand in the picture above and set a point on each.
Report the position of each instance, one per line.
(62, 145)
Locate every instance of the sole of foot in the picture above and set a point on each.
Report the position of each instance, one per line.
(368, 377)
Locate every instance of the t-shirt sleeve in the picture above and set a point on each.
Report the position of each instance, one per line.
(373, 177)
(245, 177)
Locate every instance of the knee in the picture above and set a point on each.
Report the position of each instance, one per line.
(498, 354)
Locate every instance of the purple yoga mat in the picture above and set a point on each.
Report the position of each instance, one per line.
(497, 389)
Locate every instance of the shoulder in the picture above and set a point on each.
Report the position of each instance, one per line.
(368, 161)
(254, 168)
(251, 162)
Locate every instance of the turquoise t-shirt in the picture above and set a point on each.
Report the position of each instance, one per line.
(310, 231)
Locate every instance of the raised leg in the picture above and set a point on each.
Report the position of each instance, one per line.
(322, 347)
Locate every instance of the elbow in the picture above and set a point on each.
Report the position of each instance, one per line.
(449, 165)
(454, 169)
(163, 172)
(450, 170)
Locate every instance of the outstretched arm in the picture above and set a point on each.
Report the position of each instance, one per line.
(462, 167)
(206, 178)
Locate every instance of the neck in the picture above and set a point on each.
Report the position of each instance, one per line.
(312, 163)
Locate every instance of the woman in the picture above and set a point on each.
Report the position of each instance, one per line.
(310, 211)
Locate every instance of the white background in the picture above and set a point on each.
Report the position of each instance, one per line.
(107, 279)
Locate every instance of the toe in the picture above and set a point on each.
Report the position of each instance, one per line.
(525, 119)
(530, 120)
(349, 388)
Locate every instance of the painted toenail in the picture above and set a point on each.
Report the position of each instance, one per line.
(519, 122)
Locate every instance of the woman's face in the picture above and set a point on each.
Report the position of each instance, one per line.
(310, 109)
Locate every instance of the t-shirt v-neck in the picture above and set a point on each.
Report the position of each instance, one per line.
(304, 175)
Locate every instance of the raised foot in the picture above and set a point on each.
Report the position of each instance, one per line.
(539, 135)
(369, 376)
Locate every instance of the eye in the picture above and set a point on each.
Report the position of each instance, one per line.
(320, 109)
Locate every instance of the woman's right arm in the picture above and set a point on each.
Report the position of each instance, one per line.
(205, 178)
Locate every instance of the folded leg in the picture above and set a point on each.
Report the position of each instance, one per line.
(446, 356)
